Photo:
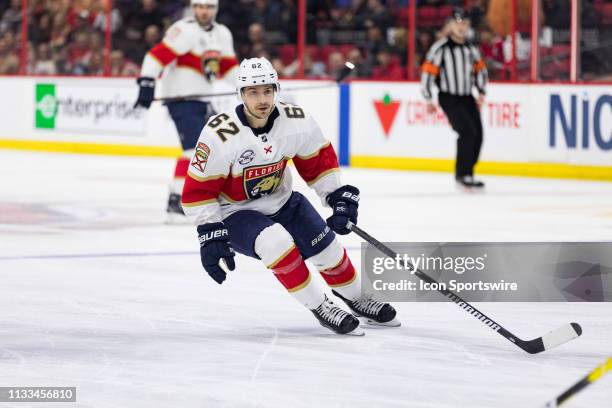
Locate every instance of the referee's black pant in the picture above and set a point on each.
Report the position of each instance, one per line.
(464, 116)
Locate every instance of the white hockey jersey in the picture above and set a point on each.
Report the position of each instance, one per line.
(191, 58)
(237, 168)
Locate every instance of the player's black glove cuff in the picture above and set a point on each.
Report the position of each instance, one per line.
(146, 93)
(344, 203)
(214, 246)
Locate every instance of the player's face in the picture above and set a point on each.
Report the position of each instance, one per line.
(204, 14)
(259, 100)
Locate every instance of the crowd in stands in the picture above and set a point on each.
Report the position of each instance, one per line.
(67, 37)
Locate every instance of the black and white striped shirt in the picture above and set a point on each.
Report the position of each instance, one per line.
(454, 68)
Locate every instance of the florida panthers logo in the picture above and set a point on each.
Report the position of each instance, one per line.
(263, 180)
(210, 65)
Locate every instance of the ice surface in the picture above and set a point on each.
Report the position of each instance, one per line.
(96, 292)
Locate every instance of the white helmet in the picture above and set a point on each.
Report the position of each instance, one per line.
(214, 3)
(256, 71)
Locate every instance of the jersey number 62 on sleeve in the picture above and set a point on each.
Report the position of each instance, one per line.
(230, 128)
(294, 112)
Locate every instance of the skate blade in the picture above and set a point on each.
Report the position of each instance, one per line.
(373, 323)
(358, 332)
(470, 190)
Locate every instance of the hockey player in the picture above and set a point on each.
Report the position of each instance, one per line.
(194, 53)
(238, 191)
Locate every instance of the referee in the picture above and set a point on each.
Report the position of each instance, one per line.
(455, 67)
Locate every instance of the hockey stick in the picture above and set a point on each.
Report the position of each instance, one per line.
(553, 339)
(589, 379)
(346, 71)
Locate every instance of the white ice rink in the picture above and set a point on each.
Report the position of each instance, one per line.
(96, 292)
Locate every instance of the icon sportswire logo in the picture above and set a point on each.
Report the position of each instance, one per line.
(387, 110)
(46, 106)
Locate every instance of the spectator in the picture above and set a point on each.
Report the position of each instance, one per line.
(356, 58)
(44, 64)
(40, 30)
(99, 22)
(96, 42)
(374, 43)
(257, 41)
(280, 67)
(289, 18)
(313, 69)
(476, 13)
(318, 16)
(151, 15)
(400, 44)
(78, 51)
(94, 65)
(387, 68)
(120, 66)
(373, 13)
(424, 41)
(335, 64)
(59, 31)
(267, 13)
(138, 20)
(136, 52)
(9, 61)
(491, 47)
(11, 19)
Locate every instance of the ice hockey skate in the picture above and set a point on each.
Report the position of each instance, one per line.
(174, 210)
(372, 311)
(336, 319)
(468, 183)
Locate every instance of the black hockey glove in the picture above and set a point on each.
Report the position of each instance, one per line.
(214, 246)
(344, 202)
(146, 92)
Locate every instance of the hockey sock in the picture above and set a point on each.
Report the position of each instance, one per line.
(277, 250)
(338, 270)
(180, 172)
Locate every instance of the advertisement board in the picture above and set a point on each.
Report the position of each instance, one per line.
(97, 115)
(87, 108)
(523, 124)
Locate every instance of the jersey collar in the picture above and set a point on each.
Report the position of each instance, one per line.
(257, 131)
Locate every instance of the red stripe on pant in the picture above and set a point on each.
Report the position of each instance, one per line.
(291, 271)
(182, 165)
(342, 274)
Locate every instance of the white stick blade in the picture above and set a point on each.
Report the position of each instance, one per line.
(561, 335)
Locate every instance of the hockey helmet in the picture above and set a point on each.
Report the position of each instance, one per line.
(256, 71)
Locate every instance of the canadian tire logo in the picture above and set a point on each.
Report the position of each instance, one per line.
(46, 106)
(387, 110)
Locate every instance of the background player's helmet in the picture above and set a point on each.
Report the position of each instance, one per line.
(205, 2)
(256, 71)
